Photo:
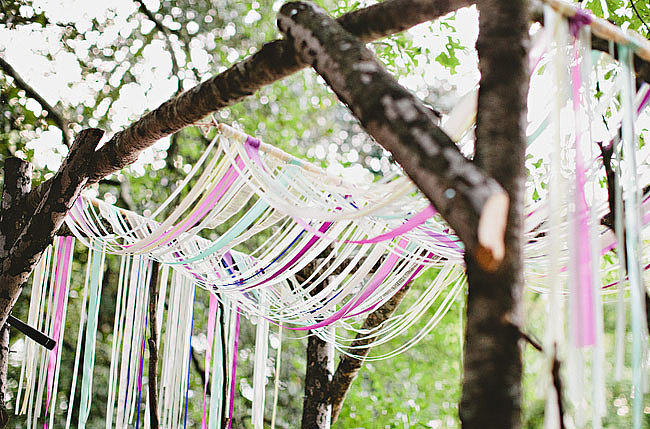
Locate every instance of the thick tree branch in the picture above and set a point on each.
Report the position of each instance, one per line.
(491, 396)
(53, 113)
(64, 189)
(274, 61)
(474, 204)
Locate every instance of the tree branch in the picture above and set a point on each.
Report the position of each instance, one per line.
(474, 204)
(57, 200)
(17, 184)
(166, 31)
(53, 113)
(274, 61)
(348, 367)
(492, 361)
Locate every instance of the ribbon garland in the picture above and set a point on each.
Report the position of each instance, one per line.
(290, 213)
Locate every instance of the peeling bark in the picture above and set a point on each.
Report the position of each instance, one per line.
(491, 396)
(472, 203)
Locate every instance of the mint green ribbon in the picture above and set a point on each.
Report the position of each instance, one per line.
(91, 334)
(632, 230)
(242, 224)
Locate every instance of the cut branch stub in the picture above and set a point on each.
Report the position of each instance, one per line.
(474, 204)
(58, 198)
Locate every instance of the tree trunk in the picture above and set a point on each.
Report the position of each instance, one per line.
(317, 409)
(17, 184)
(491, 396)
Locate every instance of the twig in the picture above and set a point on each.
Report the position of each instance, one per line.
(52, 113)
(557, 384)
(555, 369)
(159, 25)
(530, 340)
(166, 32)
(639, 16)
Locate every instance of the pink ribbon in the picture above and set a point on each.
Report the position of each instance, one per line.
(212, 316)
(372, 286)
(207, 205)
(584, 326)
(61, 281)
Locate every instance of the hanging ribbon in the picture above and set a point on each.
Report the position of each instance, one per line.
(61, 283)
(632, 232)
(96, 277)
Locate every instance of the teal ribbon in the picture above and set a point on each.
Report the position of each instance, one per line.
(91, 335)
(632, 230)
(242, 224)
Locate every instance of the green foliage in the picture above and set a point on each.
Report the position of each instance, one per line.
(122, 76)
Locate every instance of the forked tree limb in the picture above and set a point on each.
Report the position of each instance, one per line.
(474, 204)
(43, 223)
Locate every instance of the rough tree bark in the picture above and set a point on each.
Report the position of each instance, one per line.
(491, 395)
(472, 203)
(42, 224)
(17, 184)
(317, 408)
